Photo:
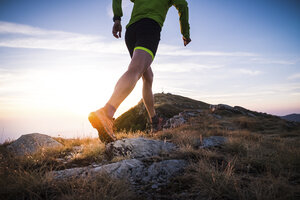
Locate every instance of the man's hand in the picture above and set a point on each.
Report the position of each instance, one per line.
(186, 41)
(117, 29)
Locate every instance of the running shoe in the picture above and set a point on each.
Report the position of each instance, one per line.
(103, 124)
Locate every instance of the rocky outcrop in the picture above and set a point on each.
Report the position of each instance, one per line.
(119, 169)
(138, 173)
(138, 148)
(212, 141)
(140, 168)
(146, 163)
(235, 110)
(32, 143)
(138, 153)
(181, 118)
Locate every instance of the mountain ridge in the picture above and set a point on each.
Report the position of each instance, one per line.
(294, 117)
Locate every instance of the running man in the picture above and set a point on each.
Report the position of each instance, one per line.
(142, 37)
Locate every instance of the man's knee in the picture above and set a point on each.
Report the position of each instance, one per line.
(138, 67)
(148, 77)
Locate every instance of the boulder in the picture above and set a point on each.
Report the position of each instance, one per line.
(137, 167)
(159, 173)
(118, 169)
(181, 118)
(142, 168)
(138, 173)
(138, 148)
(212, 141)
(32, 143)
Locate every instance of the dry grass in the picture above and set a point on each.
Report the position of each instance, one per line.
(251, 165)
(34, 185)
(265, 125)
(28, 178)
(123, 134)
(260, 161)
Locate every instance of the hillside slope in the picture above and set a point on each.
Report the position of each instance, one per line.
(166, 106)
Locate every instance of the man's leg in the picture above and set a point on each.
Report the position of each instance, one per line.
(102, 118)
(147, 92)
(140, 62)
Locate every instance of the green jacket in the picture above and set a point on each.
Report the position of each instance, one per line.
(156, 10)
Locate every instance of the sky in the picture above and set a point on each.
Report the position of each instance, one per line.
(59, 60)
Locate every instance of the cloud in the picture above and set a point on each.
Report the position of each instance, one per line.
(183, 67)
(171, 50)
(237, 94)
(24, 36)
(279, 88)
(250, 72)
(13, 28)
(272, 61)
(71, 44)
(294, 76)
(296, 94)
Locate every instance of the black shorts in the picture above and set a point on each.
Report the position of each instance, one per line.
(143, 34)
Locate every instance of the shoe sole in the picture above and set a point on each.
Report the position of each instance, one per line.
(101, 123)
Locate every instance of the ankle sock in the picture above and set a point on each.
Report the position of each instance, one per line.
(154, 119)
(110, 110)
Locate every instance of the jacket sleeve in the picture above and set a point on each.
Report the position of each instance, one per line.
(117, 9)
(183, 11)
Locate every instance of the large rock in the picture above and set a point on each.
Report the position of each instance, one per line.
(181, 118)
(118, 170)
(138, 148)
(159, 173)
(138, 173)
(212, 141)
(143, 167)
(32, 143)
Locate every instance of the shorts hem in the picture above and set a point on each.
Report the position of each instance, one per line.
(145, 49)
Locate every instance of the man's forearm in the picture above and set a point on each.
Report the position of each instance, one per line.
(183, 11)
